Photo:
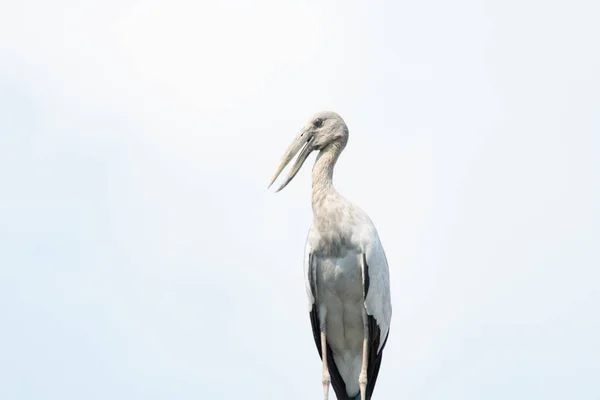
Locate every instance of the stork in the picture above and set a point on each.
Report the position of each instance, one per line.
(345, 268)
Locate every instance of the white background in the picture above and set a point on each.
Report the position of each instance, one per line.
(141, 256)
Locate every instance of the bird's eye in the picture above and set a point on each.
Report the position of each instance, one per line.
(318, 122)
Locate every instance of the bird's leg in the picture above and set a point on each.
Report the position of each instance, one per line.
(326, 378)
(362, 378)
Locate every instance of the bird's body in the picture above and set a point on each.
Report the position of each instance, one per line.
(345, 269)
(335, 250)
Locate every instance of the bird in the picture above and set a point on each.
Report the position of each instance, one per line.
(345, 268)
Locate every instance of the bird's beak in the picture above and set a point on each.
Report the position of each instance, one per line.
(304, 138)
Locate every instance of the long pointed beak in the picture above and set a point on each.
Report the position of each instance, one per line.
(303, 139)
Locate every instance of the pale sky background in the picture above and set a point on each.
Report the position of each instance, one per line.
(141, 256)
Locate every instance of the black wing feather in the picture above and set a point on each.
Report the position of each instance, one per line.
(374, 355)
(339, 386)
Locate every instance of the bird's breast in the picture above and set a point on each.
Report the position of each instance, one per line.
(340, 277)
(331, 244)
(332, 239)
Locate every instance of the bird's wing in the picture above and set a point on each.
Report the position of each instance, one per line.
(310, 262)
(377, 301)
(308, 276)
(377, 304)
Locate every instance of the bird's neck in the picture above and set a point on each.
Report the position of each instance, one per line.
(322, 173)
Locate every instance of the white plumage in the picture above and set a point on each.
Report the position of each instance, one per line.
(345, 269)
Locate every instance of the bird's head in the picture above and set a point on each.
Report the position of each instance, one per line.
(324, 130)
